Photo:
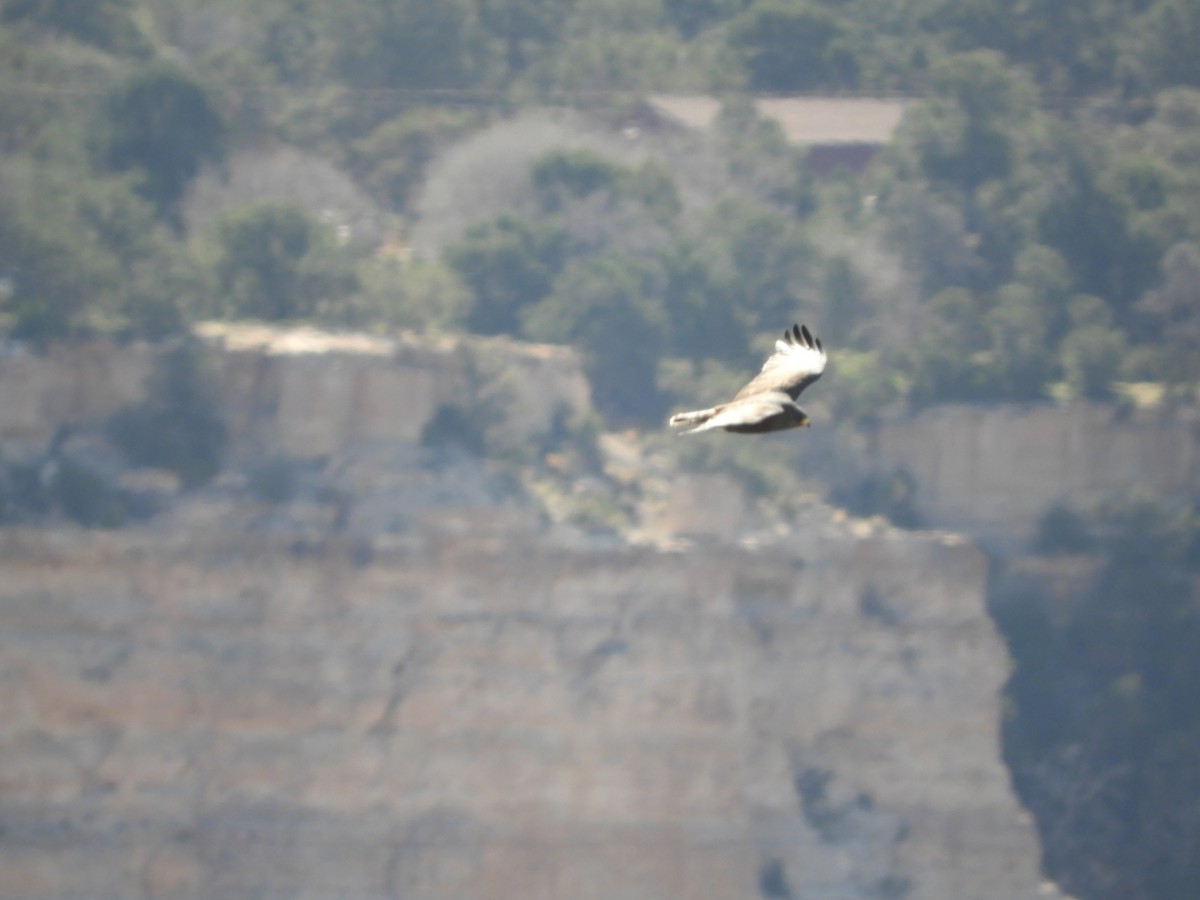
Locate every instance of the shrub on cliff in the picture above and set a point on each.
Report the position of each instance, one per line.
(610, 308)
(275, 481)
(178, 426)
(454, 427)
(59, 486)
(1062, 530)
(274, 262)
(891, 496)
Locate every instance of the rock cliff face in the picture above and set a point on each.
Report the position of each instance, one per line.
(68, 385)
(435, 694)
(309, 394)
(302, 392)
(994, 470)
(494, 715)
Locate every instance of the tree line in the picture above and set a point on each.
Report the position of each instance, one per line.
(1030, 232)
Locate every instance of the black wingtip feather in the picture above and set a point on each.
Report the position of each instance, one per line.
(799, 334)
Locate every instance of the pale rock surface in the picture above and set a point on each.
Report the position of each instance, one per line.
(699, 506)
(481, 713)
(304, 393)
(40, 393)
(995, 470)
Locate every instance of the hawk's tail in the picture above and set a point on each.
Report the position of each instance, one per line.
(696, 417)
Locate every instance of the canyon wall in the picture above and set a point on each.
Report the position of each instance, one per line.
(994, 470)
(495, 715)
(406, 681)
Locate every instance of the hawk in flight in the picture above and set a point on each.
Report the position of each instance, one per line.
(768, 402)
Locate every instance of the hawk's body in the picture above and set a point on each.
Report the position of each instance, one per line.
(768, 402)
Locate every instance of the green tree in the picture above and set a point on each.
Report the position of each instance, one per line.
(610, 308)
(1090, 361)
(424, 296)
(864, 385)
(178, 427)
(84, 255)
(793, 47)
(509, 264)
(108, 24)
(705, 322)
(162, 125)
(1168, 35)
(292, 45)
(843, 289)
(693, 16)
(1174, 307)
(761, 162)
(1021, 358)
(527, 28)
(949, 359)
(274, 262)
(634, 53)
(411, 44)
(1044, 273)
(1070, 47)
(964, 136)
(935, 241)
(653, 186)
(1087, 222)
(771, 258)
(48, 274)
(391, 161)
(1093, 349)
(563, 175)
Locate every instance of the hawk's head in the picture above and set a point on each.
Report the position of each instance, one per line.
(798, 418)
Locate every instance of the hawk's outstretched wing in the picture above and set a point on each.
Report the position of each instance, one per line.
(768, 402)
(798, 361)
